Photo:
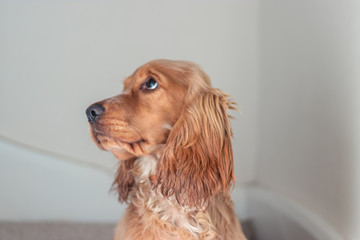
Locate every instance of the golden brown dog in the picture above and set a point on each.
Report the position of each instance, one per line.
(171, 132)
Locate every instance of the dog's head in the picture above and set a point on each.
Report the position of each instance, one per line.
(169, 109)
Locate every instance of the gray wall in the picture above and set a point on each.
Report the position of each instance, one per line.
(58, 57)
(308, 100)
(293, 62)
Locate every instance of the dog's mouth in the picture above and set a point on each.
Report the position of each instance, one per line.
(105, 142)
(132, 143)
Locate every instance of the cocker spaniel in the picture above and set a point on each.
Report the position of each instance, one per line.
(170, 130)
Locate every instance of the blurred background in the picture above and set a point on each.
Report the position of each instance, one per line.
(293, 67)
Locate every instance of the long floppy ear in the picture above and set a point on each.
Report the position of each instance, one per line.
(197, 162)
(124, 179)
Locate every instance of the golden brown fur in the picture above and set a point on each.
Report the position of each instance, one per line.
(174, 146)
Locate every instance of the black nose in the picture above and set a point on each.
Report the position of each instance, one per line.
(94, 112)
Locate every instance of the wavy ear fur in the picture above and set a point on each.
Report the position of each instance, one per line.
(124, 179)
(197, 162)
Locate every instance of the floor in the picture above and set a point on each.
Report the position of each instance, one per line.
(68, 231)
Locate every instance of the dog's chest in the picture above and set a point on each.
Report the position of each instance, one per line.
(153, 210)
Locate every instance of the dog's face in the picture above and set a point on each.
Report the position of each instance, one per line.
(138, 121)
(169, 109)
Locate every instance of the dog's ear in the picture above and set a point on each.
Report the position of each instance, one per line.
(124, 179)
(197, 162)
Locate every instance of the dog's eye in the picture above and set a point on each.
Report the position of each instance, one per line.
(150, 84)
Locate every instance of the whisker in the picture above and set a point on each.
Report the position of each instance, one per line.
(98, 131)
(137, 132)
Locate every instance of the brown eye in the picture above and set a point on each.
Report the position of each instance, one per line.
(150, 84)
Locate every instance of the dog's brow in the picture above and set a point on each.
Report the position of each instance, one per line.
(127, 81)
(154, 74)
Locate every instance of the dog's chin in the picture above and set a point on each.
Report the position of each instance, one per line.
(122, 149)
(108, 144)
(122, 155)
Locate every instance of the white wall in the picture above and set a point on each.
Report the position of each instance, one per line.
(294, 62)
(46, 187)
(38, 186)
(309, 83)
(58, 57)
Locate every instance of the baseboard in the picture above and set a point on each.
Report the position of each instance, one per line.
(277, 217)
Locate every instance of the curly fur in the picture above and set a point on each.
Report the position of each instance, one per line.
(175, 152)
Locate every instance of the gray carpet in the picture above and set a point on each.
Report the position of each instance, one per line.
(67, 231)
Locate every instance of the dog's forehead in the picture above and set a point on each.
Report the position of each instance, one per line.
(131, 80)
(142, 73)
(166, 70)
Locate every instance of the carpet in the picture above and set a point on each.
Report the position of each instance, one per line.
(69, 231)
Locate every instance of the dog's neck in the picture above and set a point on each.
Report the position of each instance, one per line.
(145, 196)
(144, 168)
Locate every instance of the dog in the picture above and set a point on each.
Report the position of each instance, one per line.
(171, 132)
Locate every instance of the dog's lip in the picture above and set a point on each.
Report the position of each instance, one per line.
(132, 142)
(98, 142)
(120, 140)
